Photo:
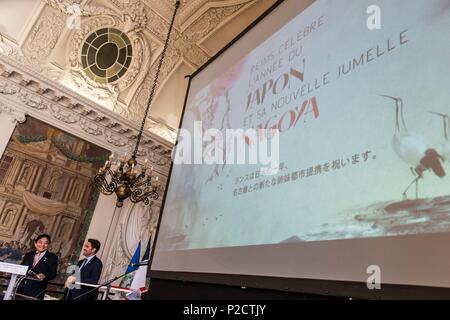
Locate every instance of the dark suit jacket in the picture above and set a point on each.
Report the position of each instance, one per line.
(90, 273)
(48, 265)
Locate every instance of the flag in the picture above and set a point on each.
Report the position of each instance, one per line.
(135, 259)
(141, 274)
(126, 280)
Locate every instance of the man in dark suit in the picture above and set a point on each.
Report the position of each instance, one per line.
(43, 267)
(90, 271)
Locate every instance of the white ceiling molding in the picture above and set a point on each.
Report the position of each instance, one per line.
(190, 16)
(32, 15)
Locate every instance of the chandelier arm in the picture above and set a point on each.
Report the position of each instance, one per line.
(106, 192)
(100, 180)
(139, 178)
(153, 195)
(112, 186)
(144, 200)
(140, 184)
(155, 82)
(103, 184)
(103, 180)
(138, 197)
(103, 188)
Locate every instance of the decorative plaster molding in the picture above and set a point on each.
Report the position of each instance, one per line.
(135, 17)
(66, 6)
(38, 45)
(212, 18)
(66, 116)
(115, 139)
(124, 3)
(15, 116)
(100, 91)
(141, 152)
(5, 47)
(44, 35)
(90, 127)
(161, 130)
(32, 100)
(8, 88)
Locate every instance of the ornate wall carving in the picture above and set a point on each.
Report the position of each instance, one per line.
(65, 6)
(5, 47)
(8, 88)
(66, 116)
(44, 36)
(39, 44)
(209, 21)
(14, 115)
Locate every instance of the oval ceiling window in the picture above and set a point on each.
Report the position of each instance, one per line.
(106, 55)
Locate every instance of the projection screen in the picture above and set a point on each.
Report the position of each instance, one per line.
(358, 99)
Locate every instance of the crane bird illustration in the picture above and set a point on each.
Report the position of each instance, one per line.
(413, 150)
(445, 148)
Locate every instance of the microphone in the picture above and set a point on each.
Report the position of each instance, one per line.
(32, 273)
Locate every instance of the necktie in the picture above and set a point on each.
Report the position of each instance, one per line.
(84, 263)
(36, 259)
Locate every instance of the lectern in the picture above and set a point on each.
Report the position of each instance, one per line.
(15, 270)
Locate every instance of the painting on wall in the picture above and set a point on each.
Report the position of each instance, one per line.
(45, 187)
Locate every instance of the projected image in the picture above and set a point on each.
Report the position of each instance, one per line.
(363, 122)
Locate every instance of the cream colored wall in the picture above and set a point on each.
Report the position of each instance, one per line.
(7, 126)
(101, 224)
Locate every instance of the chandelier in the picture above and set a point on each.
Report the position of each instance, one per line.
(123, 176)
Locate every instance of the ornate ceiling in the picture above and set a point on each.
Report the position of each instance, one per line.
(48, 36)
